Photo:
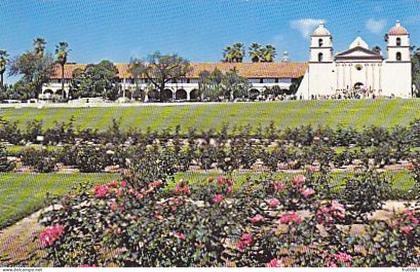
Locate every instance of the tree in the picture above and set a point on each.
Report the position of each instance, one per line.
(209, 84)
(255, 52)
(137, 69)
(61, 52)
(35, 66)
(4, 57)
(268, 53)
(234, 53)
(162, 69)
(376, 49)
(39, 46)
(96, 80)
(415, 70)
(234, 85)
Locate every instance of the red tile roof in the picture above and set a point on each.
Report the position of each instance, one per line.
(249, 70)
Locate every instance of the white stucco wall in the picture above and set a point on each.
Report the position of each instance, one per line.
(397, 79)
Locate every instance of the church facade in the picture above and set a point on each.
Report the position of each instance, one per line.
(358, 71)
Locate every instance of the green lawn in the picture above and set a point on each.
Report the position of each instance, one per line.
(21, 194)
(356, 113)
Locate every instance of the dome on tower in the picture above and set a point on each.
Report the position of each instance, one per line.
(397, 29)
(359, 42)
(321, 30)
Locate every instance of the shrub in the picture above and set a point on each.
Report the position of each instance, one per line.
(5, 164)
(41, 160)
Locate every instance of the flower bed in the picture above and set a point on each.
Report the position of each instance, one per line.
(292, 222)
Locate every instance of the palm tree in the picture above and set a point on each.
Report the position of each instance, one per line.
(228, 54)
(61, 52)
(234, 53)
(136, 69)
(238, 51)
(268, 53)
(3, 62)
(255, 52)
(39, 46)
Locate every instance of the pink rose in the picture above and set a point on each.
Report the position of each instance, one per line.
(308, 192)
(218, 198)
(273, 203)
(182, 188)
(156, 184)
(179, 235)
(406, 229)
(279, 186)
(123, 183)
(343, 257)
(256, 219)
(49, 235)
(290, 217)
(298, 180)
(101, 191)
(245, 241)
(274, 263)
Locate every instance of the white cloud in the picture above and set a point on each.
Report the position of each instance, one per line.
(375, 26)
(306, 25)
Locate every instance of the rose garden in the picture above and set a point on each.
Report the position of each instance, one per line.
(304, 196)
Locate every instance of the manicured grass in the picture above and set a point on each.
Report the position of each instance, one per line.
(21, 194)
(355, 113)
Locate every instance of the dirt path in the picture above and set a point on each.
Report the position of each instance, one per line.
(19, 242)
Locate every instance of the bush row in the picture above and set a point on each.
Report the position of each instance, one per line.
(66, 133)
(232, 155)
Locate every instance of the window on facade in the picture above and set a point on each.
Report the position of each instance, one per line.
(359, 67)
(320, 42)
(320, 57)
(398, 41)
(398, 56)
(261, 80)
(276, 80)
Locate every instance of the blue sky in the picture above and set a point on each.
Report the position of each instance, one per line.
(195, 29)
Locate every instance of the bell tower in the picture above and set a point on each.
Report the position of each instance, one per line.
(398, 44)
(321, 50)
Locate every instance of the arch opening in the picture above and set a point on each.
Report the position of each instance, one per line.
(181, 94)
